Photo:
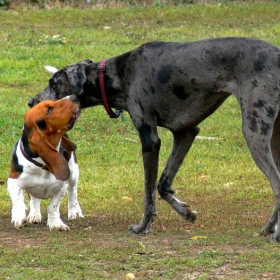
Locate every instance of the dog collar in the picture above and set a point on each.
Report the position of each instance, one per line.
(43, 166)
(101, 70)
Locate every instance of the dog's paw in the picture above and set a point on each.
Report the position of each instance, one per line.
(135, 229)
(191, 216)
(145, 226)
(185, 211)
(34, 218)
(75, 213)
(57, 224)
(18, 222)
(19, 216)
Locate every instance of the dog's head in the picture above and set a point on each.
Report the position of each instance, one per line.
(71, 80)
(44, 127)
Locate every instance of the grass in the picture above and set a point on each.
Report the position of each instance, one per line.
(218, 178)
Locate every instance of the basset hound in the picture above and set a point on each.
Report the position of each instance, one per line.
(44, 164)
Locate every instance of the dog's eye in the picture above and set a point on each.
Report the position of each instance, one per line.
(41, 124)
(50, 109)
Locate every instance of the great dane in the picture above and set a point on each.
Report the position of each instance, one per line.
(177, 85)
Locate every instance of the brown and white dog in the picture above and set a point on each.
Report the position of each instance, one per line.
(44, 164)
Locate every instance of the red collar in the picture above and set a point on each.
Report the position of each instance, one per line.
(102, 69)
(39, 164)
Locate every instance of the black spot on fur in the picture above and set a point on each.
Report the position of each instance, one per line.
(180, 92)
(164, 74)
(253, 125)
(265, 127)
(255, 84)
(17, 166)
(259, 104)
(270, 112)
(259, 64)
(121, 62)
(79, 80)
(145, 91)
(193, 81)
(145, 136)
(153, 91)
(41, 124)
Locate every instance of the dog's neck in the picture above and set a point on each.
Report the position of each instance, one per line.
(113, 86)
(114, 90)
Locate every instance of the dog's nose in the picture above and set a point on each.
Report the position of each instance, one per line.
(31, 102)
(72, 97)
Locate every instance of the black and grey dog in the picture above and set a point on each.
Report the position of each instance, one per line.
(177, 85)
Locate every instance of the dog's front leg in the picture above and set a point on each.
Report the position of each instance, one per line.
(150, 152)
(34, 215)
(19, 208)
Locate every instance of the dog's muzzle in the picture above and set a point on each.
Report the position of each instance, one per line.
(74, 119)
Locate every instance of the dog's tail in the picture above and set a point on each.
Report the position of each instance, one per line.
(51, 69)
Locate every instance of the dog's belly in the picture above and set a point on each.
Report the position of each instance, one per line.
(43, 192)
(187, 114)
(39, 187)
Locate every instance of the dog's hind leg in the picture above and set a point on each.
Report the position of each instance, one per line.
(54, 222)
(182, 142)
(74, 209)
(263, 140)
(272, 225)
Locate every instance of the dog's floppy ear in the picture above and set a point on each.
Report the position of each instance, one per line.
(67, 144)
(77, 76)
(67, 147)
(55, 162)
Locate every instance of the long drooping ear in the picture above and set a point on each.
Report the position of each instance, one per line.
(67, 144)
(77, 76)
(55, 162)
(67, 147)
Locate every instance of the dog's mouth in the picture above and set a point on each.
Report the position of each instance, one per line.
(74, 119)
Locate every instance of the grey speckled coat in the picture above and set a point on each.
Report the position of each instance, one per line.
(177, 85)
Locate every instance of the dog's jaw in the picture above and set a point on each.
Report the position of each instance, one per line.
(74, 119)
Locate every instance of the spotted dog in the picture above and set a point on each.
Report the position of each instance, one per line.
(177, 85)
(44, 165)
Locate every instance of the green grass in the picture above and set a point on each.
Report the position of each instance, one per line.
(218, 178)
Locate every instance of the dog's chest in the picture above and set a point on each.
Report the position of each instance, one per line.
(36, 181)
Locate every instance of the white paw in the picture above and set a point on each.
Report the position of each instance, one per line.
(34, 218)
(19, 216)
(57, 224)
(75, 213)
